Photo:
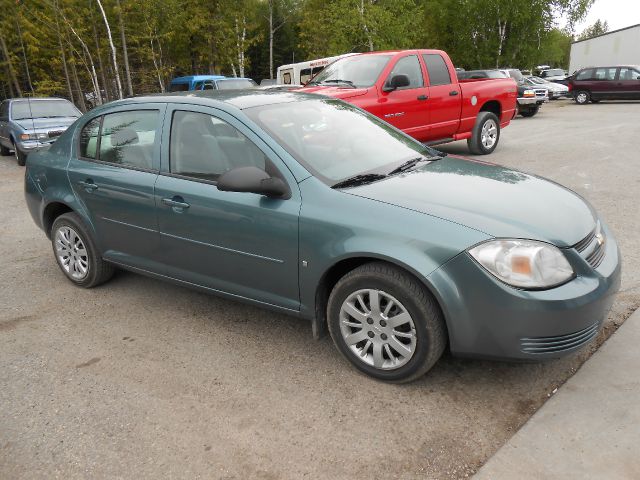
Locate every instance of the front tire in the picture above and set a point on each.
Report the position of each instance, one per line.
(76, 253)
(582, 97)
(485, 135)
(386, 323)
(530, 112)
(21, 157)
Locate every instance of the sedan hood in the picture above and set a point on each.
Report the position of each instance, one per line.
(487, 197)
(60, 123)
(336, 92)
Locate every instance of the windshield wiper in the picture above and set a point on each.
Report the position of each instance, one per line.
(348, 82)
(358, 180)
(411, 163)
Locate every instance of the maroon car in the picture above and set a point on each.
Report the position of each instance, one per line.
(605, 83)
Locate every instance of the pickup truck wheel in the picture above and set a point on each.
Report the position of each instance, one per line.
(530, 112)
(485, 135)
(386, 323)
(76, 253)
(582, 97)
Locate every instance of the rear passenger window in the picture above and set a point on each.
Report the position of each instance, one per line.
(604, 74)
(89, 139)
(437, 69)
(409, 66)
(128, 138)
(204, 147)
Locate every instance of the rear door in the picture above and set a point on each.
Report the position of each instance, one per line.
(113, 171)
(445, 99)
(628, 83)
(406, 107)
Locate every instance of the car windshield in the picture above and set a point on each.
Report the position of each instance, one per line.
(23, 109)
(335, 140)
(538, 80)
(236, 84)
(358, 70)
(516, 75)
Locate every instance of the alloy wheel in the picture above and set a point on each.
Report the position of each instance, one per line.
(378, 329)
(489, 134)
(71, 253)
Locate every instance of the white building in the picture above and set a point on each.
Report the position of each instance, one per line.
(619, 47)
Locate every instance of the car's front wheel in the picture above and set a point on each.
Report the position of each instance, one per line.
(21, 157)
(582, 97)
(530, 112)
(386, 323)
(76, 253)
(485, 135)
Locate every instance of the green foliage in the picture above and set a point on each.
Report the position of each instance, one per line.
(598, 28)
(59, 44)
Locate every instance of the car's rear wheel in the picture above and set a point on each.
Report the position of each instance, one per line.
(582, 97)
(76, 253)
(530, 112)
(386, 323)
(485, 135)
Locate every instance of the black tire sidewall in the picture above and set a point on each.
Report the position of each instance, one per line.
(73, 221)
(419, 313)
(586, 93)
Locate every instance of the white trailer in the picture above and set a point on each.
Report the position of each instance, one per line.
(300, 73)
(620, 47)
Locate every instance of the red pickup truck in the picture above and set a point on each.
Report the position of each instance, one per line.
(418, 91)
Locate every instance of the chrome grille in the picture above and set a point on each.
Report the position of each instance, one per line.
(55, 133)
(592, 247)
(541, 93)
(538, 345)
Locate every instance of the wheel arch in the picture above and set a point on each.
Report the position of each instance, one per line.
(492, 106)
(52, 211)
(341, 267)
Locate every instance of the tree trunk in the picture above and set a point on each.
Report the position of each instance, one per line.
(125, 53)
(81, 103)
(24, 54)
(365, 27)
(92, 71)
(116, 72)
(107, 90)
(12, 75)
(271, 32)
(64, 55)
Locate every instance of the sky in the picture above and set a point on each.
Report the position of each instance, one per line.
(618, 13)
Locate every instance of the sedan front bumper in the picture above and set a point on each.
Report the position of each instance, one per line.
(487, 318)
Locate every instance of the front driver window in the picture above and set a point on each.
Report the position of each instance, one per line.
(204, 147)
(409, 66)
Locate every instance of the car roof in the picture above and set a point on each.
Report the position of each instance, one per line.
(240, 99)
(35, 99)
(191, 78)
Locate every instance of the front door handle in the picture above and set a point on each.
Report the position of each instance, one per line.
(88, 185)
(422, 97)
(177, 203)
(453, 93)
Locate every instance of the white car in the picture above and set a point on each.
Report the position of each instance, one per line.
(556, 90)
(553, 74)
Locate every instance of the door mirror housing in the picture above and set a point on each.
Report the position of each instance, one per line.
(397, 81)
(253, 180)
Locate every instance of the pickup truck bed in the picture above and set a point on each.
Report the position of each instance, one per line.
(418, 92)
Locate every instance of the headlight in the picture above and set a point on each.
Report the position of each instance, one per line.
(34, 136)
(529, 93)
(524, 263)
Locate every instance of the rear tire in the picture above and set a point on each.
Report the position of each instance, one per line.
(76, 253)
(582, 97)
(378, 305)
(485, 134)
(530, 112)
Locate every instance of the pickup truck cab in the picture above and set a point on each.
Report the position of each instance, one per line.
(418, 92)
(210, 82)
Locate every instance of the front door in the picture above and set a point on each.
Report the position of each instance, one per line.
(406, 107)
(243, 244)
(113, 173)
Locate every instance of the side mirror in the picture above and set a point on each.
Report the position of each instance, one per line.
(253, 180)
(397, 81)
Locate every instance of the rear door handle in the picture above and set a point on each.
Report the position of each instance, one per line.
(422, 97)
(453, 93)
(88, 185)
(175, 203)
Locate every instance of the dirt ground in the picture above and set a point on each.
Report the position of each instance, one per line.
(142, 379)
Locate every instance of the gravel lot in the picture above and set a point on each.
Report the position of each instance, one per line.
(142, 379)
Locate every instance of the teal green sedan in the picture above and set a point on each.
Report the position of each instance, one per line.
(312, 207)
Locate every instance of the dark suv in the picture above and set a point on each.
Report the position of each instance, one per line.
(605, 83)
